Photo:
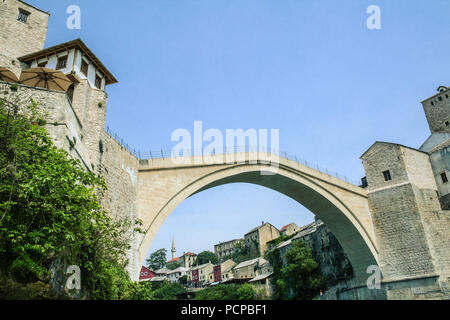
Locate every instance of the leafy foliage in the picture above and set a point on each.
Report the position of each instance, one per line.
(240, 253)
(157, 259)
(173, 265)
(139, 291)
(298, 277)
(50, 213)
(169, 291)
(228, 292)
(273, 243)
(205, 257)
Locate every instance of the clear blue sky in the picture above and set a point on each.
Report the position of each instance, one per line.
(309, 68)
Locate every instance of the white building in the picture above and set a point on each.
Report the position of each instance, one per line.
(72, 57)
(175, 275)
(249, 269)
(162, 272)
(201, 275)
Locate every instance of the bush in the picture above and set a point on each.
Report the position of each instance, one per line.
(228, 292)
(169, 291)
(298, 277)
(50, 213)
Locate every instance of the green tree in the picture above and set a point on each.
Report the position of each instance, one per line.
(157, 259)
(50, 212)
(279, 286)
(299, 276)
(169, 291)
(228, 292)
(239, 254)
(139, 291)
(173, 265)
(205, 257)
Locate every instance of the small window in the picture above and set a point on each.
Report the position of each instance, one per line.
(444, 177)
(447, 123)
(70, 92)
(387, 175)
(23, 16)
(432, 103)
(98, 82)
(84, 67)
(440, 98)
(62, 63)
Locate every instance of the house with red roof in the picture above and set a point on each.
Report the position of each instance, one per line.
(289, 229)
(186, 260)
(146, 274)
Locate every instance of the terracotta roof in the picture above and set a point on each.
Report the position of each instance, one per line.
(77, 43)
(186, 254)
(286, 226)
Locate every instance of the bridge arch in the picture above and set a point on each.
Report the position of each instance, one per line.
(343, 207)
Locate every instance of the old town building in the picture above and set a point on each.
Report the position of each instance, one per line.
(289, 229)
(327, 251)
(227, 248)
(256, 239)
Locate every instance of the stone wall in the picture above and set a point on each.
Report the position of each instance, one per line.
(410, 227)
(382, 157)
(440, 160)
(419, 169)
(93, 122)
(87, 141)
(445, 202)
(63, 124)
(17, 38)
(119, 169)
(400, 233)
(427, 288)
(436, 223)
(332, 260)
(256, 240)
(334, 264)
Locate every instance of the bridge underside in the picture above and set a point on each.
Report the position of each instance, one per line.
(341, 206)
(348, 236)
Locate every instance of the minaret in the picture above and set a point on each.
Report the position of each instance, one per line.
(174, 251)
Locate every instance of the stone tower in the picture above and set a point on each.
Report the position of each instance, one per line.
(174, 251)
(23, 30)
(437, 111)
(76, 118)
(409, 222)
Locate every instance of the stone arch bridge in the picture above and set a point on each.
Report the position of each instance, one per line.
(164, 183)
